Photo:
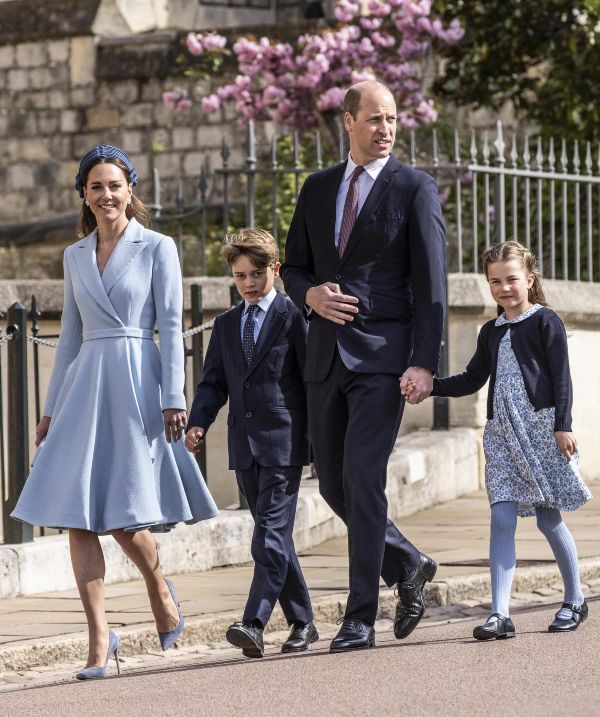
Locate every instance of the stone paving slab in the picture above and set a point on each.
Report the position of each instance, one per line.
(46, 629)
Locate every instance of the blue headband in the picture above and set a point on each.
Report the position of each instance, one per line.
(103, 151)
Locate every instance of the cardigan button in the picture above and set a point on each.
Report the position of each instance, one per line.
(249, 414)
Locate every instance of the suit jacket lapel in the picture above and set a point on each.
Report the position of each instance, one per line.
(330, 193)
(272, 324)
(128, 247)
(376, 195)
(85, 257)
(233, 330)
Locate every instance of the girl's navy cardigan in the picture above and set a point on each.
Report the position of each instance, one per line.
(540, 346)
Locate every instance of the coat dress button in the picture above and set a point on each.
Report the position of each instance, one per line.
(338, 277)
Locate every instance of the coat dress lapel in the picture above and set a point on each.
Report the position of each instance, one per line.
(376, 195)
(274, 320)
(124, 254)
(85, 257)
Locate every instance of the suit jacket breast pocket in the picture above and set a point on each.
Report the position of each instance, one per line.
(389, 223)
(390, 306)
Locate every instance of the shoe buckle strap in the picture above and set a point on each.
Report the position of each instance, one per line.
(572, 606)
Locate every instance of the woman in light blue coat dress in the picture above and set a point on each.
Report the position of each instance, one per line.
(109, 457)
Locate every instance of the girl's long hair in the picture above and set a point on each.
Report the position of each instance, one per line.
(136, 210)
(513, 250)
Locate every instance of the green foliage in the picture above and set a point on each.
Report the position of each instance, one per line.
(541, 55)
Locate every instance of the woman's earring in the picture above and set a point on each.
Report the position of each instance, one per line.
(87, 204)
(129, 200)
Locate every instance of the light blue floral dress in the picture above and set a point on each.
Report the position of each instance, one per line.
(523, 461)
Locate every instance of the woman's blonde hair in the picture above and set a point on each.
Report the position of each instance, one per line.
(136, 210)
(513, 250)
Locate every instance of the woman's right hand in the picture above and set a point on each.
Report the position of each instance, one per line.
(42, 429)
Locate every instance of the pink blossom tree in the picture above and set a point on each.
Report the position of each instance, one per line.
(298, 84)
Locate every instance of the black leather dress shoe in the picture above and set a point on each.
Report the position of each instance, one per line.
(300, 638)
(353, 635)
(248, 637)
(497, 627)
(411, 606)
(578, 615)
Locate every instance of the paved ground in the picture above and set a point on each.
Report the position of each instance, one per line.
(438, 670)
(456, 534)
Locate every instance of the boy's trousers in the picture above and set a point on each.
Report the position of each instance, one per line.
(272, 494)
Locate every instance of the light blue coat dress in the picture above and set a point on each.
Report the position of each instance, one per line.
(106, 463)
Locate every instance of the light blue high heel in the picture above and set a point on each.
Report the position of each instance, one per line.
(168, 638)
(95, 673)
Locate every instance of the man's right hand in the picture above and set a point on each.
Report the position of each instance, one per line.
(329, 302)
(193, 438)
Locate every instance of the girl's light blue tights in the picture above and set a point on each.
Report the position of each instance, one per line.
(503, 558)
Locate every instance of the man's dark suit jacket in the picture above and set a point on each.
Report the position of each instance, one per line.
(394, 263)
(267, 402)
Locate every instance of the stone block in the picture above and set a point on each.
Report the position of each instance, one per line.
(9, 572)
(151, 91)
(192, 163)
(48, 121)
(37, 149)
(83, 97)
(101, 118)
(18, 80)
(83, 61)
(65, 173)
(58, 51)
(137, 115)
(132, 142)
(38, 100)
(43, 78)
(161, 140)
(82, 143)
(168, 164)
(20, 176)
(3, 122)
(163, 116)
(122, 93)
(138, 14)
(58, 99)
(210, 136)
(45, 174)
(70, 121)
(141, 162)
(7, 56)
(23, 123)
(183, 137)
(2, 80)
(31, 54)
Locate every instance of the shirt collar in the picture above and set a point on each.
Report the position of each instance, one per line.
(372, 168)
(264, 303)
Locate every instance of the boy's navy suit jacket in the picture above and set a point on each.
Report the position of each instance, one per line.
(267, 403)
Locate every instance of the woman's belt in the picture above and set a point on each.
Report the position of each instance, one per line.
(133, 332)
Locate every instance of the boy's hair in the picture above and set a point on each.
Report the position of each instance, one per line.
(257, 244)
(513, 250)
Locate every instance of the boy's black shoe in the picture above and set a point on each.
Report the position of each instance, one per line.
(411, 605)
(578, 615)
(300, 638)
(248, 637)
(353, 635)
(497, 627)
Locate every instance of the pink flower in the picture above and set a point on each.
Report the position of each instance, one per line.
(177, 99)
(272, 94)
(333, 98)
(210, 103)
(212, 41)
(371, 23)
(407, 120)
(194, 44)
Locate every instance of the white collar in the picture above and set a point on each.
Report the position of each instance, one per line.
(373, 168)
(264, 303)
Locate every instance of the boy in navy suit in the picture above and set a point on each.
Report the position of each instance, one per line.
(255, 358)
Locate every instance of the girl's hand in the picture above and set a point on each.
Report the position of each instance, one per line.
(566, 442)
(42, 429)
(408, 389)
(175, 422)
(194, 438)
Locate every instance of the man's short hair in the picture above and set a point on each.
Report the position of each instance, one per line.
(257, 244)
(352, 101)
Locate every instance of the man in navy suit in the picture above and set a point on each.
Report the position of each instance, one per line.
(255, 358)
(365, 260)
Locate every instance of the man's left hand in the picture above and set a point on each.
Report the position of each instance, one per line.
(422, 378)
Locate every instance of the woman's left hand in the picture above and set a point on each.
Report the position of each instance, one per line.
(566, 442)
(175, 422)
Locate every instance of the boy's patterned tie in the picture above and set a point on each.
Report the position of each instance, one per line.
(248, 333)
(350, 209)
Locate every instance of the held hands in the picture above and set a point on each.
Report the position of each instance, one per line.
(175, 421)
(566, 442)
(42, 429)
(194, 438)
(416, 384)
(329, 302)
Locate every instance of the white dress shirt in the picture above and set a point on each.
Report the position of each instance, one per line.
(366, 180)
(259, 317)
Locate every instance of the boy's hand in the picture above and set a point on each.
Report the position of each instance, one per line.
(566, 442)
(194, 438)
(408, 389)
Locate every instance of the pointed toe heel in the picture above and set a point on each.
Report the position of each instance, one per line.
(97, 673)
(167, 639)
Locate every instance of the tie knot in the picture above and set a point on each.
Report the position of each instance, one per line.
(252, 309)
(358, 170)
